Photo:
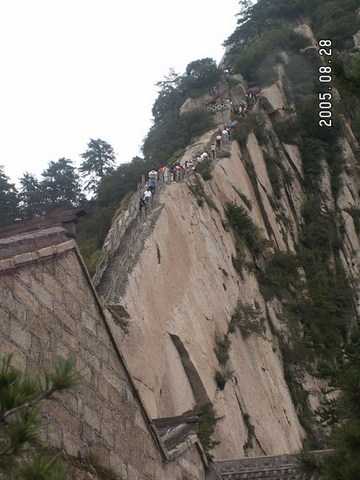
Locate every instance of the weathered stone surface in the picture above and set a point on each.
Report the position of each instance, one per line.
(185, 296)
(49, 310)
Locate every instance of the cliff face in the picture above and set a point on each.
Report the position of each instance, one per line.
(174, 275)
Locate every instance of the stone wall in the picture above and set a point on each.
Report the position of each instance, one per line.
(48, 308)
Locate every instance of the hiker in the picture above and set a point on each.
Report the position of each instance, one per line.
(204, 156)
(166, 174)
(152, 185)
(153, 175)
(191, 166)
(218, 141)
(225, 136)
(177, 172)
(147, 198)
(213, 151)
(161, 174)
(142, 205)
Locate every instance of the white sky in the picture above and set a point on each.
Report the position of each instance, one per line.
(75, 69)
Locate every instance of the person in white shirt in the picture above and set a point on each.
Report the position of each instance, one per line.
(153, 174)
(218, 141)
(166, 175)
(225, 136)
(204, 156)
(213, 150)
(147, 197)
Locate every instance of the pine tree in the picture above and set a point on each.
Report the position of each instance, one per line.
(21, 455)
(99, 160)
(61, 185)
(8, 200)
(31, 196)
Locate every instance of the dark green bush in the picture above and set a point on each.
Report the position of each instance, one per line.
(287, 130)
(207, 425)
(221, 377)
(250, 57)
(204, 169)
(274, 174)
(245, 228)
(281, 273)
(200, 76)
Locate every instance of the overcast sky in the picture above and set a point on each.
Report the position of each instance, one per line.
(75, 69)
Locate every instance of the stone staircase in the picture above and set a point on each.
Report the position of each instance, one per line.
(280, 467)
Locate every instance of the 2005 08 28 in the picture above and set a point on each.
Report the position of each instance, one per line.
(325, 80)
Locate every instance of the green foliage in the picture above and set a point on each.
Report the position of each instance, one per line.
(245, 228)
(300, 72)
(221, 377)
(98, 161)
(204, 169)
(20, 396)
(248, 57)
(171, 96)
(313, 151)
(336, 20)
(281, 273)
(8, 200)
(61, 185)
(200, 76)
(92, 230)
(287, 130)
(246, 319)
(173, 133)
(207, 425)
(31, 196)
(274, 174)
(43, 468)
(252, 123)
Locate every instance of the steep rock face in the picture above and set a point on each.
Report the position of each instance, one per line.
(184, 284)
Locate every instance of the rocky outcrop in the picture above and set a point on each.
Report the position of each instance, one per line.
(191, 294)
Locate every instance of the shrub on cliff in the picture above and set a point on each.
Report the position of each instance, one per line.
(21, 454)
(280, 274)
(204, 169)
(207, 424)
(245, 228)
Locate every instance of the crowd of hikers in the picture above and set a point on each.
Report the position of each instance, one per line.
(181, 170)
